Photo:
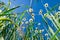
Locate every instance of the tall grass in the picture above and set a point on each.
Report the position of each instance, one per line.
(10, 25)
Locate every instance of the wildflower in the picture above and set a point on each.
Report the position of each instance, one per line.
(33, 15)
(24, 19)
(46, 34)
(30, 10)
(40, 31)
(39, 24)
(45, 15)
(36, 31)
(46, 4)
(30, 20)
(40, 12)
(0, 11)
(26, 22)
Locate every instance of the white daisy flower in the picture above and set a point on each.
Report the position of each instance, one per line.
(24, 19)
(33, 15)
(30, 10)
(46, 34)
(27, 10)
(26, 22)
(40, 31)
(46, 4)
(30, 20)
(36, 31)
(40, 12)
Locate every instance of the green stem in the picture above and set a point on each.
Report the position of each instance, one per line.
(7, 19)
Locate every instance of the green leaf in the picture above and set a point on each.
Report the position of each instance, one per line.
(53, 37)
(5, 12)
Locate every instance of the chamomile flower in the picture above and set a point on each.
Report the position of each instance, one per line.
(24, 19)
(46, 4)
(36, 31)
(33, 15)
(40, 31)
(40, 12)
(30, 10)
(30, 20)
(46, 34)
(26, 22)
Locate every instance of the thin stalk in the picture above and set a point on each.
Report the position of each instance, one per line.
(46, 24)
